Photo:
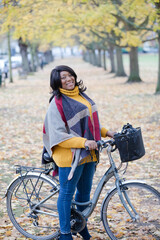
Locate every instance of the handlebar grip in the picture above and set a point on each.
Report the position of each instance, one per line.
(98, 145)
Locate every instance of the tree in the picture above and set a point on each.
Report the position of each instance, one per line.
(9, 56)
(100, 25)
(157, 29)
(8, 33)
(121, 24)
(158, 81)
(24, 19)
(135, 26)
(24, 54)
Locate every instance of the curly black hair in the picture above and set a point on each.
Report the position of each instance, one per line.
(55, 80)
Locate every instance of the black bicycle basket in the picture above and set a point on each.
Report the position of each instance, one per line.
(130, 143)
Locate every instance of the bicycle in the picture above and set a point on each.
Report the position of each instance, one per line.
(129, 210)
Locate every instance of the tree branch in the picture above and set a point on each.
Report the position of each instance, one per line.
(132, 25)
(108, 39)
(151, 39)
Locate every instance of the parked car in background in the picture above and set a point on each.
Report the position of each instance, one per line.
(3, 61)
(149, 50)
(16, 62)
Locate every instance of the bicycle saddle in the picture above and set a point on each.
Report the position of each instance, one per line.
(45, 157)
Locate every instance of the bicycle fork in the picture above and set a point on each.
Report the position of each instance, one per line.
(122, 190)
(124, 199)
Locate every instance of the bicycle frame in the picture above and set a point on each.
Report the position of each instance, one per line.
(112, 171)
(90, 205)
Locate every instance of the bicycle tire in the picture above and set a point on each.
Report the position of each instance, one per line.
(18, 207)
(118, 223)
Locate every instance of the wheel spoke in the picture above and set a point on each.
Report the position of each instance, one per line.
(31, 217)
(145, 201)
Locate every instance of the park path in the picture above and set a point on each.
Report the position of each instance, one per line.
(23, 105)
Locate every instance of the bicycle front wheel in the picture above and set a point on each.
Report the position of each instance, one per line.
(42, 222)
(146, 202)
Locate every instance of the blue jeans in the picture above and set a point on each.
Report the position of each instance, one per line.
(82, 183)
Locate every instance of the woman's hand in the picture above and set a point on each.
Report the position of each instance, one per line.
(91, 144)
(110, 134)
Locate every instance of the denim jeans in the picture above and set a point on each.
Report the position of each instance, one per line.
(82, 183)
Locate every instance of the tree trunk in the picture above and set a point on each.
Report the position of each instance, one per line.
(51, 57)
(72, 51)
(90, 56)
(99, 58)
(84, 55)
(158, 82)
(120, 68)
(61, 51)
(9, 57)
(104, 60)
(111, 54)
(37, 62)
(94, 62)
(134, 66)
(23, 50)
(32, 51)
(87, 55)
(48, 56)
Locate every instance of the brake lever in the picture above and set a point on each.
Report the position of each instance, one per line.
(100, 148)
(114, 149)
(101, 144)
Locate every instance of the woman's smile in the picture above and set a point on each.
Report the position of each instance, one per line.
(67, 80)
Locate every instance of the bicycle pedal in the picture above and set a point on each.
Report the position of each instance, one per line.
(72, 222)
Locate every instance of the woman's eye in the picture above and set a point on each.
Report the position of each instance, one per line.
(64, 77)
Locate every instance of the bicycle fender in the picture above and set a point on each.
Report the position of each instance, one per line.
(7, 190)
(28, 174)
(113, 188)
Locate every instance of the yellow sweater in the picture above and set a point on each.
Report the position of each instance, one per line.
(62, 154)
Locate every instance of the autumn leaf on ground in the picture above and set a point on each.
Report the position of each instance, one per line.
(23, 106)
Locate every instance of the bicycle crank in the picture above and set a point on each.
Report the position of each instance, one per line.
(78, 221)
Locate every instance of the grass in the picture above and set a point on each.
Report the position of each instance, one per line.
(147, 63)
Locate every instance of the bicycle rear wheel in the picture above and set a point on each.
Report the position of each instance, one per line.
(116, 220)
(22, 197)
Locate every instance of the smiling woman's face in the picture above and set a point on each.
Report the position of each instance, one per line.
(67, 80)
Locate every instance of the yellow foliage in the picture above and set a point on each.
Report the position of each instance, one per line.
(59, 21)
(131, 38)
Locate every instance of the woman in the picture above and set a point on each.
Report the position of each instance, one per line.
(71, 125)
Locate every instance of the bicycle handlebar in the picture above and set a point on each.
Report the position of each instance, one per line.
(104, 143)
